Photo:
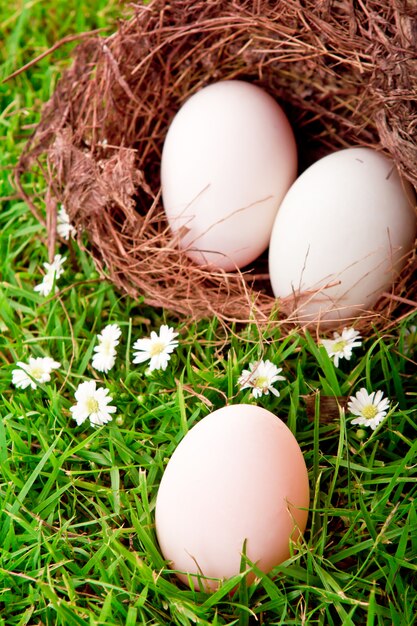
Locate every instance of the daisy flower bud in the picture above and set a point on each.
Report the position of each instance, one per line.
(37, 370)
(64, 228)
(93, 404)
(341, 346)
(370, 408)
(105, 351)
(156, 349)
(53, 272)
(260, 377)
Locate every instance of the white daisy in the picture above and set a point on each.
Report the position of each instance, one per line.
(53, 272)
(64, 227)
(340, 347)
(157, 349)
(371, 408)
(92, 403)
(37, 370)
(105, 352)
(260, 377)
(410, 339)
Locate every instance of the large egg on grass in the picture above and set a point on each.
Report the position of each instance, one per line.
(227, 161)
(237, 478)
(342, 236)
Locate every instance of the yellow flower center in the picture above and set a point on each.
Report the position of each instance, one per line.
(36, 372)
(339, 346)
(261, 382)
(157, 348)
(369, 411)
(92, 405)
(106, 345)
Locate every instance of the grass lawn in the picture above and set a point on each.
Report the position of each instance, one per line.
(77, 536)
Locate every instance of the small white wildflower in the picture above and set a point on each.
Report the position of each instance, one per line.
(64, 227)
(340, 347)
(37, 370)
(157, 348)
(53, 271)
(410, 340)
(93, 404)
(260, 377)
(371, 408)
(105, 352)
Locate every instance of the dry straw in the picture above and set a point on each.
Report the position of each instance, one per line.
(345, 73)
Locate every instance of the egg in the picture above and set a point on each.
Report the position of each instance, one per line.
(341, 236)
(227, 161)
(237, 476)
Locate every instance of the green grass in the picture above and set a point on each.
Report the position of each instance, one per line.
(77, 536)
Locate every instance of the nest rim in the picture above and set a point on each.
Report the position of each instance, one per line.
(97, 177)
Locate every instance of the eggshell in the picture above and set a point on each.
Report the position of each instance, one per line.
(228, 159)
(341, 235)
(238, 474)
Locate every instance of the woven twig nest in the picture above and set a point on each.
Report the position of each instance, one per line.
(345, 73)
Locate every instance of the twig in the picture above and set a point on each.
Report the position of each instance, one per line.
(58, 44)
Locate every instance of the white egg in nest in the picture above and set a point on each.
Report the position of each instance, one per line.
(341, 236)
(228, 159)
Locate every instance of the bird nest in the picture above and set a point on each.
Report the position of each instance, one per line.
(345, 73)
